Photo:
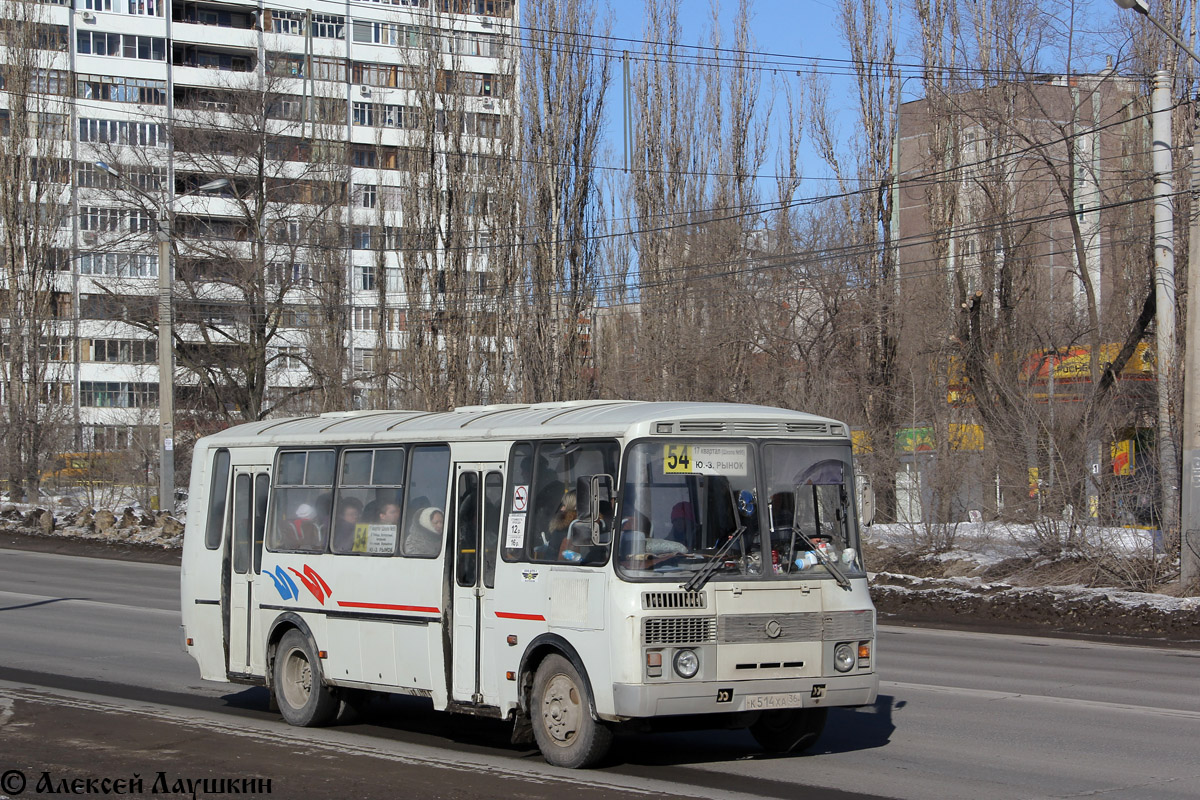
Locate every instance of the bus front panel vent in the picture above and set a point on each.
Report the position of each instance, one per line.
(656, 600)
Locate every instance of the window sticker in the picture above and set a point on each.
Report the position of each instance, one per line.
(520, 498)
(705, 459)
(379, 539)
(514, 538)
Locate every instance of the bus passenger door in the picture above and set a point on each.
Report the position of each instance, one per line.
(479, 489)
(248, 517)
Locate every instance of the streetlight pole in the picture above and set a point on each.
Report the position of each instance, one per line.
(1189, 523)
(166, 346)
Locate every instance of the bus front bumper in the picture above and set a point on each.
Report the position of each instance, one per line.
(632, 700)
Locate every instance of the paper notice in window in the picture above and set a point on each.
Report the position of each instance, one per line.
(514, 537)
(705, 459)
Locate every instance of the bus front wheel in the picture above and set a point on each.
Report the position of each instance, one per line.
(563, 726)
(792, 730)
(300, 689)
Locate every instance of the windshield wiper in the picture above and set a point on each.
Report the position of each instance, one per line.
(828, 562)
(704, 573)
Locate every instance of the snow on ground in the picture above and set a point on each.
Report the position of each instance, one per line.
(1002, 573)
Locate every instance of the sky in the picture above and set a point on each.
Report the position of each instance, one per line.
(806, 28)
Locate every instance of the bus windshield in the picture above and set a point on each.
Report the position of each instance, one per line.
(683, 500)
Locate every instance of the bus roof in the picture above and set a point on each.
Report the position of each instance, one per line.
(579, 418)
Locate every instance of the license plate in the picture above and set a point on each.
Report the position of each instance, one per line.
(757, 702)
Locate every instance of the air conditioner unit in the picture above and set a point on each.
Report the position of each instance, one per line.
(365, 91)
(88, 16)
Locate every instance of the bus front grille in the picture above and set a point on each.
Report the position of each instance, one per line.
(796, 627)
(679, 630)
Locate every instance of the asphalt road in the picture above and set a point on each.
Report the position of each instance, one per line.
(94, 685)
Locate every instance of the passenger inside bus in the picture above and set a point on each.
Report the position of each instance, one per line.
(302, 531)
(557, 541)
(683, 525)
(425, 536)
(349, 514)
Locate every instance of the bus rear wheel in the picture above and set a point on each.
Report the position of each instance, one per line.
(791, 730)
(563, 726)
(300, 689)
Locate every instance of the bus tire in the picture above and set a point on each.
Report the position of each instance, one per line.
(560, 709)
(304, 699)
(791, 730)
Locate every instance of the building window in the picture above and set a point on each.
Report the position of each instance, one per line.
(118, 265)
(118, 394)
(287, 22)
(328, 26)
(289, 358)
(99, 43)
(364, 359)
(119, 89)
(368, 194)
(98, 5)
(123, 351)
(363, 113)
(111, 131)
(147, 8)
(366, 277)
(365, 319)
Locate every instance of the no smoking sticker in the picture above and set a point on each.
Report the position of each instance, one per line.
(520, 498)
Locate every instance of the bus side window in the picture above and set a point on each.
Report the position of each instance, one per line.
(217, 494)
(425, 518)
(493, 500)
(262, 485)
(302, 501)
(520, 471)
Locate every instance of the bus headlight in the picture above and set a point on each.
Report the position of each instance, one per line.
(687, 663)
(844, 657)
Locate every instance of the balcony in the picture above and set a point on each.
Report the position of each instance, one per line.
(215, 23)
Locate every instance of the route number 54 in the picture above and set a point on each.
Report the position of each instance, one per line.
(677, 458)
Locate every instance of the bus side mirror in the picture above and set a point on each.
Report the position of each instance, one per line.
(594, 496)
(866, 500)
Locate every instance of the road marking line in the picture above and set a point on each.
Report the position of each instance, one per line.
(988, 694)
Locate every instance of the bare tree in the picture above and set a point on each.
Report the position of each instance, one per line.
(260, 279)
(35, 300)
(562, 106)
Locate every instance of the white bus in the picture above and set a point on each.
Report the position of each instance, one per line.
(571, 567)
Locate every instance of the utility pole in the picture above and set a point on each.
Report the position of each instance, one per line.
(1164, 294)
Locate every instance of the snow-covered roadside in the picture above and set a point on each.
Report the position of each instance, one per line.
(128, 525)
(997, 575)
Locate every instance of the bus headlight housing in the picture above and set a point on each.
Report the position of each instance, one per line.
(687, 663)
(844, 657)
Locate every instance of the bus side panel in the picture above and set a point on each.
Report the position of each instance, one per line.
(200, 576)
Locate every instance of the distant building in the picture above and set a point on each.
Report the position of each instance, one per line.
(129, 76)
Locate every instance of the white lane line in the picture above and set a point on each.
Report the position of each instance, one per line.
(12, 600)
(990, 695)
(341, 742)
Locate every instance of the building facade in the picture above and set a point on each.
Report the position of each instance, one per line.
(303, 160)
(1023, 264)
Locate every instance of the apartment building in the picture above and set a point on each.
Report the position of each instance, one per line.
(288, 143)
(1023, 230)
(987, 178)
